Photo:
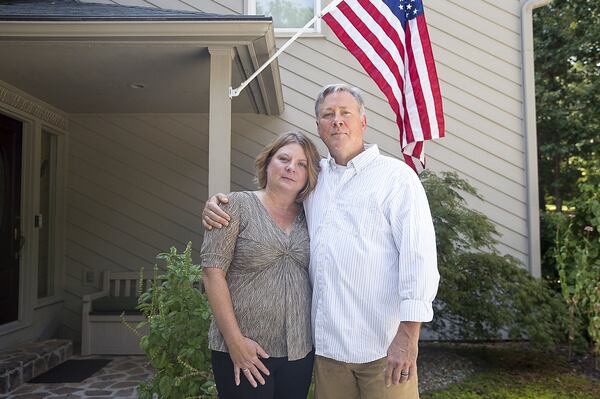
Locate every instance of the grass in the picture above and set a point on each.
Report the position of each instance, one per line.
(515, 372)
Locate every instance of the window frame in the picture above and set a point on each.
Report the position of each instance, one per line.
(51, 220)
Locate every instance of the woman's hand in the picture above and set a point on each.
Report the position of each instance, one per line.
(244, 355)
(243, 351)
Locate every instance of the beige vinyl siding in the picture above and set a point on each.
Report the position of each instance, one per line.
(492, 11)
(135, 188)
(509, 6)
(137, 182)
(45, 322)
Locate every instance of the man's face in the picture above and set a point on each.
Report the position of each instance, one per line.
(341, 126)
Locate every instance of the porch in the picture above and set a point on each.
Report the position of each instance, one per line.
(123, 126)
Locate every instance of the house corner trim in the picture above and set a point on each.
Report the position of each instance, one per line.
(533, 214)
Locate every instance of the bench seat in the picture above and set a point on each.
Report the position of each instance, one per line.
(115, 306)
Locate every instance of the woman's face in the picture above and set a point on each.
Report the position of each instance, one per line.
(288, 169)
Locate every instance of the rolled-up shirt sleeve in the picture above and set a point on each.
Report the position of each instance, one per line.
(218, 245)
(414, 236)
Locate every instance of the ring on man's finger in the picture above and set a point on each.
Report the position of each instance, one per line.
(244, 370)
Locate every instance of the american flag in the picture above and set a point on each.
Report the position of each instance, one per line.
(390, 40)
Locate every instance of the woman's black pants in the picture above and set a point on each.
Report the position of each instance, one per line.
(287, 379)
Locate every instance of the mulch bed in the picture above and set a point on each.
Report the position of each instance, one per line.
(443, 363)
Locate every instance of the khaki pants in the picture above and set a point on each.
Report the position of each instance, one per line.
(338, 380)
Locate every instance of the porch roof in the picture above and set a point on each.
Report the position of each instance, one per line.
(101, 58)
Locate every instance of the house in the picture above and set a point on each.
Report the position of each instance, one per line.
(115, 125)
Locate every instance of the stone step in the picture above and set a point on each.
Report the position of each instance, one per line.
(27, 361)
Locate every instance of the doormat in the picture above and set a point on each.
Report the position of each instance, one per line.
(74, 370)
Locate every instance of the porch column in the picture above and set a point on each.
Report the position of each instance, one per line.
(219, 121)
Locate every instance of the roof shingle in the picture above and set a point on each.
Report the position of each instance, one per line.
(73, 10)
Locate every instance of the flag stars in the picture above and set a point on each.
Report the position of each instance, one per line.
(410, 8)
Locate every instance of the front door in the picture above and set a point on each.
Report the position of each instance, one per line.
(10, 210)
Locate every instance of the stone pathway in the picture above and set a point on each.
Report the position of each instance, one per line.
(118, 379)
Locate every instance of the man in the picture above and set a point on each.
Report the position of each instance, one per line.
(373, 264)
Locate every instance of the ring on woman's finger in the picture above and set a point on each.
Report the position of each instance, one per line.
(404, 373)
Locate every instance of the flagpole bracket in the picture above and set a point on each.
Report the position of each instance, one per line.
(234, 92)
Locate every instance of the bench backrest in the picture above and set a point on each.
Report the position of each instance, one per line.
(125, 284)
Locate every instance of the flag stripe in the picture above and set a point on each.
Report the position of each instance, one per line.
(416, 101)
(421, 65)
(434, 84)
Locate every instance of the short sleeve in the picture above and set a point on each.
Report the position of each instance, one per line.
(218, 246)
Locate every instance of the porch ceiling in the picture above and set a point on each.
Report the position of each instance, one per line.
(136, 67)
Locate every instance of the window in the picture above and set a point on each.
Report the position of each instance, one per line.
(47, 216)
(288, 15)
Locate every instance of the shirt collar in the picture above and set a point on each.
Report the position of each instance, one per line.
(360, 161)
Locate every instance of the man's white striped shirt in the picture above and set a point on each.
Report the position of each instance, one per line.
(373, 256)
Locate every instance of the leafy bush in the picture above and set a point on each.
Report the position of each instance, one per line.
(548, 224)
(484, 295)
(577, 259)
(178, 317)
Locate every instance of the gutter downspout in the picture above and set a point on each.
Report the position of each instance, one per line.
(533, 213)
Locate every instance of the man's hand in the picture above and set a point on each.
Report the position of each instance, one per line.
(402, 354)
(213, 215)
(244, 355)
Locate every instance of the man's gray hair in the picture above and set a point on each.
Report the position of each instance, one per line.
(339, 87)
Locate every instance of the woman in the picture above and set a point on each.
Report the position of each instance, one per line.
(256, 279)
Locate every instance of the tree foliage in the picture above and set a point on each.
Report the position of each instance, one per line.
(567, 54)
(577, 258)
(567, 63)
(482, 294)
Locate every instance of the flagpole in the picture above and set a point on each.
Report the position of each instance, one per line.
(236, 92)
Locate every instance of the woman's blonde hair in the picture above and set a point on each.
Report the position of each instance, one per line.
(312, 157)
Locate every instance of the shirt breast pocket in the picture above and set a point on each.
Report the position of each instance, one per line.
(360, 217)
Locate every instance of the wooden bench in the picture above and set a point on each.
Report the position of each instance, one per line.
(102, 328)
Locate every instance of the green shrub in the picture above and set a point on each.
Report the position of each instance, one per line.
(548, 225)
(484, 295)
(178, 317)
(577, 260)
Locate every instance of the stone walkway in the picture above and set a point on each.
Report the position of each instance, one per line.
(118, 379)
